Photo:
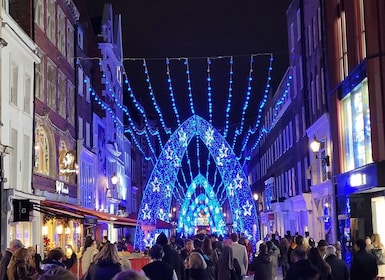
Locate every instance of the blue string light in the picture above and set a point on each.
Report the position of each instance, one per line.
(189, 87)
(156, 106)
(171, 90)
(229, 98)
(209, 91)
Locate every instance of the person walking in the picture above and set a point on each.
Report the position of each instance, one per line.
(157, 269)
(378, 250)
(171, 256)
(364, 266)
(106, 264)
(283, 259)
(14, 245)
(197, 267)
(301, 268)
(324, 268)
(240, 254)
(89, 252)
(262, 264)
(225, 264)
(339, 269)
(18, 265)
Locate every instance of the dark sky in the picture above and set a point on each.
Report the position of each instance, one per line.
(156, 29)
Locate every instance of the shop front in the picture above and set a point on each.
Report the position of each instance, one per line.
(360, 202)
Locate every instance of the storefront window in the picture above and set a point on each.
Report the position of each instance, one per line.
(22, 231)
(355, 128)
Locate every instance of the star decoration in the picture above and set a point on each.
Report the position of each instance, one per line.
(148, 241)
(161, 214)
(209, 136)
(168, 191)
(231, 190)
(182, 137)
(169, 153)
(176, 162)
(238, 182)
(146, 212)
(155, 185)
(223, 151)
(247, 208)
(219, 161)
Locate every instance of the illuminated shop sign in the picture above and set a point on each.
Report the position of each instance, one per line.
(67, 163)
(357, 180)
(61, 188)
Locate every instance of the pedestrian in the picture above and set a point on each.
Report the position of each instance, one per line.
(188, 248)
(262, 264)
(197, 267)
(273, 252)
(14, 245)
(364, 266)
(301, 268)
(225, 264)
(240, 254)
(321, 246)
(54, 259)
(157, 269)
(171, 256)
(210, 256)
(325, 271)
(18, 265)
(106, 264)
(379, 251)
(283, 259)
(129, 275)
(339, 269)
(89, 252)
(57, 273)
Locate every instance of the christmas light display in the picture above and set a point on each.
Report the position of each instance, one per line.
(157, 199)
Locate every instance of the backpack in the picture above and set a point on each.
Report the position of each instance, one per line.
(380, 259)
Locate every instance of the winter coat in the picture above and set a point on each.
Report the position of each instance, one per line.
(364, 266)
(4, 264)
(262, 266)
(103, 269)
(339, 269)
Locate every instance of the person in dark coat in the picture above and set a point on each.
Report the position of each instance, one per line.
(196, 268)
(262, 264)
(225, 264)
(106, 264)
(364, 266)
(301, 268)
(158, 269)
(14, 245)
(171, 256)
(339, 269)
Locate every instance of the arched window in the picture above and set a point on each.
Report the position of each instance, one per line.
(41, 151)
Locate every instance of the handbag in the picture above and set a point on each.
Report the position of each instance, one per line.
(377, 252)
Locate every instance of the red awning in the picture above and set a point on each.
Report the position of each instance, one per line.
(76, 210)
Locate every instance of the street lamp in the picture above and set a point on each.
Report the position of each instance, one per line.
(114, 179)
(315, 146)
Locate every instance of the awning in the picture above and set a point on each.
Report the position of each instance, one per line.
(79, 212)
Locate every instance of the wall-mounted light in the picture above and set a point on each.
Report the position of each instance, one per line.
(114, 179)
(59, 229)
(315, 146)
(44, 230)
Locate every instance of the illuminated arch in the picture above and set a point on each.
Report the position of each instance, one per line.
(210, 206)
(157, 195)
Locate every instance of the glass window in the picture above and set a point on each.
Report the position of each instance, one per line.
(51, 9)
(14, 157)
(39, 13)
(62, 85)
(39, 80)
(61, 32)
(27, 94)
(70, 43)
(14, 82)
(71, 103)
(41, 151)
(355, 128)
(51, 86)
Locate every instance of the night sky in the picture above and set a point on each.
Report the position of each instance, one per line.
(156, 29)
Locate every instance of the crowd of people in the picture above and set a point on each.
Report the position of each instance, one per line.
(204, 257)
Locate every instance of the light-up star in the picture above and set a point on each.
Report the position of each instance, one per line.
(169, 153)
(223, 151)
(182, 137)
(209, 136)
(247, 208)
(155, 185)
(148, 241)
(230, 189)
(146, 212)
(176, 162)
(219, 161)
(161, 214)
(168, 191)
(238, 181)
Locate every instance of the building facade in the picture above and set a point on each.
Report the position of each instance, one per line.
(355, 43)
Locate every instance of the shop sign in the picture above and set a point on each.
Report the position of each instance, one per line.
(61, 188)
(90, 220)
(67, 163)
(357, 179)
